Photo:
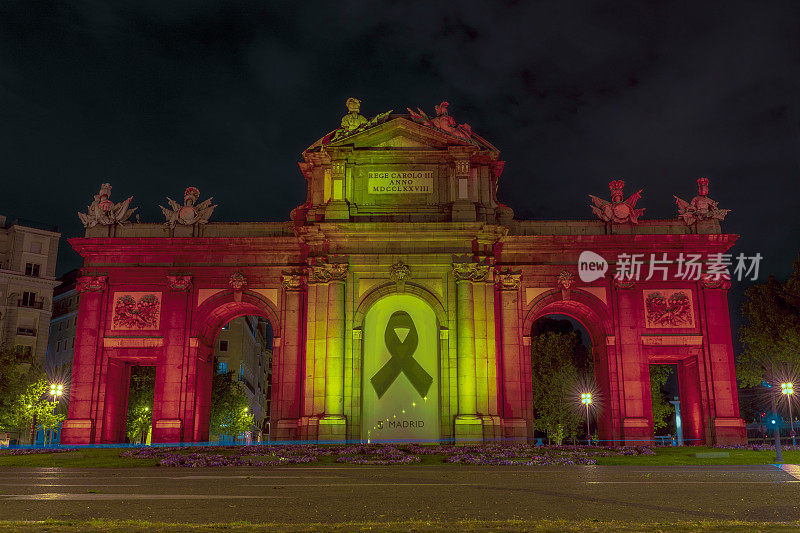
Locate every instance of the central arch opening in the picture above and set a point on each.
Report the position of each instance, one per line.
(400, 380)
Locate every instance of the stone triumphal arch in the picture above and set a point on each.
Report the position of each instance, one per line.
(401, 295)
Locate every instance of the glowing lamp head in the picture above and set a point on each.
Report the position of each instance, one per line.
(787, 388)
(586, 398)
(56, 389)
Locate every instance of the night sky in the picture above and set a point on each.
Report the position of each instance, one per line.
(155, 96)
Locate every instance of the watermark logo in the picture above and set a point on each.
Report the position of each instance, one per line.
(591, 266)
(714, 267)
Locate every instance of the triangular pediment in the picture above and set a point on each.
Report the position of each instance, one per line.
(400, 132)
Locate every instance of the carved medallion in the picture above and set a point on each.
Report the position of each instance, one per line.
(238, 281)
(565, 280)
(399, 273)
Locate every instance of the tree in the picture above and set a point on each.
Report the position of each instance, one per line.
(662, 409)
(18, 370)
(35, 405)
(230, 411)
(140, 403)
(771, 334)
(555, 384)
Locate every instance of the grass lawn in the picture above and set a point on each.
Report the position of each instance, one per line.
(110, 458)
(685, 456)
(511, 525)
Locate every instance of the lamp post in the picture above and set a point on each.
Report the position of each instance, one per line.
(788, 390)
(56, 390)
(586, 399)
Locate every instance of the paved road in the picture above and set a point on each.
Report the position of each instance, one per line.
(341, 494)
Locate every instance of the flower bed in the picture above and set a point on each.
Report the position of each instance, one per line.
(379, 454)
(36, 451)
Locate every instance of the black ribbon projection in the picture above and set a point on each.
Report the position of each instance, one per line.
(402, 360)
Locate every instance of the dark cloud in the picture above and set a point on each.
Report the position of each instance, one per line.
(155, 96)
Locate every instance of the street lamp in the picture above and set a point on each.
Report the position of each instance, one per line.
(586, 399)
(788, 390)
(56, 390)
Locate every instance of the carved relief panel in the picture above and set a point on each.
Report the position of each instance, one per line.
(668, 308)
(136, 310)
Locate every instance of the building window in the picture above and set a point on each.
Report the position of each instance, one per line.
(223, 367)
(32, 269)
(72, 344)
(28, 299)
(28, 331)
(223, 346)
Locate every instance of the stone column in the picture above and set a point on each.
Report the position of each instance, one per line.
(333, 425)
(637, 421)
(79, 428)
(169, 413)
(468, 425)
(287, 364)
(718, 365)
(514, 423)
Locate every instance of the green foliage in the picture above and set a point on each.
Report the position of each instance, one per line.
(18, 370)
(662, 409)
(555, 384)
(140, 403)
(35, 404)
(771, 335)
(230, 412)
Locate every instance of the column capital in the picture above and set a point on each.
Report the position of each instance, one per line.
(710, 281)
(508, 280)
(327, 272)
(470, 271)
(179, 282)
(92, 283)
(294, 281)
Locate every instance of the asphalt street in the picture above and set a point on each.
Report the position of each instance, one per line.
(342, 494)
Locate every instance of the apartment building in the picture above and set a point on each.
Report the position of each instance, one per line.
(28, 253)
(63, 323)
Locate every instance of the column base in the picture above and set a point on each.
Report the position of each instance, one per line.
(468, 429)
(285, 429)
(636, 432)
(337, 210)
(167, 430)
(332, 429)
(77, 431)
(514, 429)
(308, 428)
(492, 427)
(729, 431)
(463, 211)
